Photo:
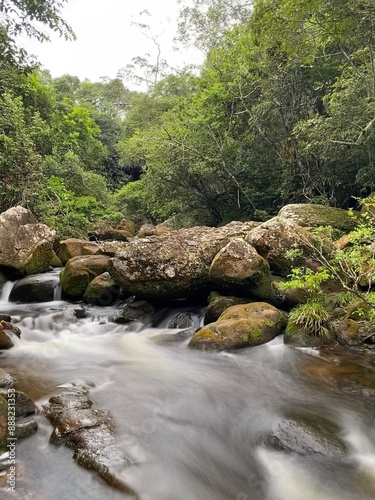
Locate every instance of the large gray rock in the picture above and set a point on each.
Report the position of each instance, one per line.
(175, 264)
(275, 237)
(25, 245)
(238, 265)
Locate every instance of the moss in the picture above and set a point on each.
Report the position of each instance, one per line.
(73, 286)
(40, 260)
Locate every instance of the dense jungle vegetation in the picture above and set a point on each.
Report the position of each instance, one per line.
(282, 110)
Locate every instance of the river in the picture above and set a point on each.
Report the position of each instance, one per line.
(193, 422)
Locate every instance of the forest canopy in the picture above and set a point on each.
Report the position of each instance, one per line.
(282, 110)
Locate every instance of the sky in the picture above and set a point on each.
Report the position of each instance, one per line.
(107, 40)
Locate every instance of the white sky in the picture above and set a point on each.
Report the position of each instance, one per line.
(107, 41)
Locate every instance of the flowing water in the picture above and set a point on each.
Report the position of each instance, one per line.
(192, 422)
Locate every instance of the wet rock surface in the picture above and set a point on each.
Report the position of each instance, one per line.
(135, 310)
(243, 325)
(90, 433)
(305, 437)
(39, 288)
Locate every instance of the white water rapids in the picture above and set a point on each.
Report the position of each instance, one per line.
(191, 421)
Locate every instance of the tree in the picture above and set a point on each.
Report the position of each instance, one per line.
(28, 17)
(204, 23)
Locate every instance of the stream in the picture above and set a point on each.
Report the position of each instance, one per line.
(192, 422)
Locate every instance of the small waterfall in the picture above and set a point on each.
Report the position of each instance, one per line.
(5, 291)
(57, 293)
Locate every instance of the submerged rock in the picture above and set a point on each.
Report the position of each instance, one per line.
(6, 380)
(239, 326)
(90, 433)
(305, 438)
(25, 245)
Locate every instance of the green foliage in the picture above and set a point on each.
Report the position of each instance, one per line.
(312, 317)
(352, 269)
(69, 213)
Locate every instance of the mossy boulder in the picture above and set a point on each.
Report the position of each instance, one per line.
(102, 290)
(238, 266)
(175, 264)
(79, 272)
(74, 247)
(239, 326)
(313, 215)
(275, 237)
(25, 245)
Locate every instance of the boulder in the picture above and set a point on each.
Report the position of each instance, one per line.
(239, 266)
(74, 247)
(24, 406)
(39, 288)
(312, 215)
(275, 237)
(25, 429)
(90, 433)
(55, 261)
(110, 248)
(218, 304)
(175, 264)
(135, 310)
(305, 438)
(150, 230)
(243, 325)
(119, 232)
(25, 245)
(79, 272)
(5, 340)
(102, 290)
(7, 330)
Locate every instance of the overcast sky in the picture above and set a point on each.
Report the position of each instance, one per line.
(107, 41)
